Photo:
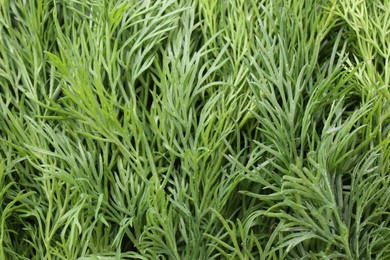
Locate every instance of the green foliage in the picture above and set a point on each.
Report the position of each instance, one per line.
(203, 129)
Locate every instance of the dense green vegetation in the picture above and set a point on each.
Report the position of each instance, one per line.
(204, 129)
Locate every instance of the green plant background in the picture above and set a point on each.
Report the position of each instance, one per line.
(204, 129)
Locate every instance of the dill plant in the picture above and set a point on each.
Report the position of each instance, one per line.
(167, 129)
